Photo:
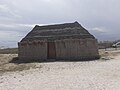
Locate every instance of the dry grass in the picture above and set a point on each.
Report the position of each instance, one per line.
(6, 66)
(9, 51)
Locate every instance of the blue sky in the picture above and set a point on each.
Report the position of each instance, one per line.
(18, 17)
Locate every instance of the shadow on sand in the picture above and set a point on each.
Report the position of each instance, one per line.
(16, 60)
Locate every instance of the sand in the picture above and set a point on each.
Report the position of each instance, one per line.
(89, 75)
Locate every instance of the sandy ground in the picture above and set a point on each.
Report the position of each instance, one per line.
(103, 74)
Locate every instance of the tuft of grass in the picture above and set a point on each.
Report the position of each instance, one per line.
(17, 67)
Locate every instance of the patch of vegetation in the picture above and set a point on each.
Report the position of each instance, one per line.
(9, 51)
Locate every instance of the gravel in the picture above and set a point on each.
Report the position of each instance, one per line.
(89, 75)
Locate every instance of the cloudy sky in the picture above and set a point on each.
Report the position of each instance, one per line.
(18, 17)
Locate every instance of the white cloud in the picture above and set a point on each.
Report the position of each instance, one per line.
(15, 26)
(10, 38)
(48, 0)
(101, 30)
(9, 35)
(7, 12)
(3, 8)
(20, 16)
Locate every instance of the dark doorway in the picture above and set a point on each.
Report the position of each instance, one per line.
(51, 50)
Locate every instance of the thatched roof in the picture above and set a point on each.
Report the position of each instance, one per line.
(58, 31)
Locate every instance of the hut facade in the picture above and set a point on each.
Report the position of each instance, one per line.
(69, 41)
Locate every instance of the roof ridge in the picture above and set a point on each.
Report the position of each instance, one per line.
(58, 26)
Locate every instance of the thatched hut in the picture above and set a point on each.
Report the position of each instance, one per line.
(69, 41)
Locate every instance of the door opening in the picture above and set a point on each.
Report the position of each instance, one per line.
(51, 50)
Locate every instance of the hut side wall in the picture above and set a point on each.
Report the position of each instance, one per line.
(36, 50)
(67, 49)
(76, 49)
